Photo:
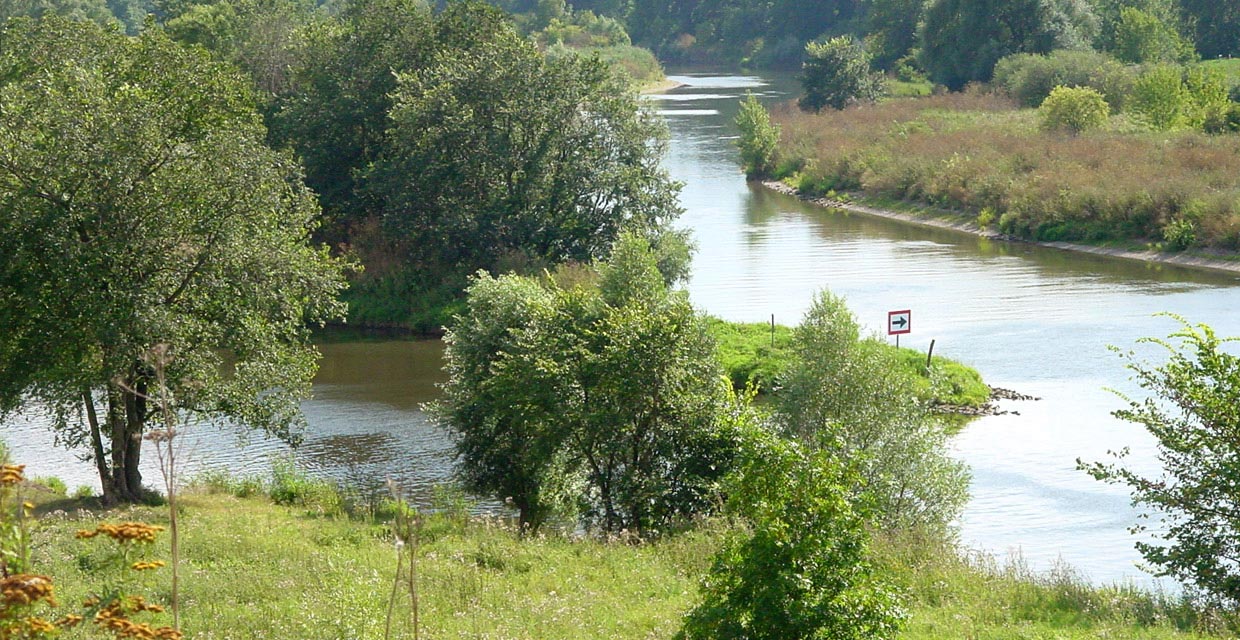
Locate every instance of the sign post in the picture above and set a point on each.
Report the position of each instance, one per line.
(899, 323)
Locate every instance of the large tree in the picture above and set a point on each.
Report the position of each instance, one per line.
(961, 40)
(139, 207)
(497, 152)
(594, 389)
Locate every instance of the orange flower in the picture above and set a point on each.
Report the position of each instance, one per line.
(11, 474)
(23, 589)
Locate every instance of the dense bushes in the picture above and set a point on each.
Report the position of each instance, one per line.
(1029, 78)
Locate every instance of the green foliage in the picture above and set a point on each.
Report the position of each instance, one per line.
(759, 138)
(96, 11)
(1215, 26)
(836, 73)
(181, 229)
(261, 37)
(495, 150)
(290, 485)
(594, 393)
(851, 398)
(961, 40)
(1029, 78)
(344, 75)
(1190, 410)
(1160, 99)
(53, 484)
(1141, 38)
(801, 569)
(1074, 109)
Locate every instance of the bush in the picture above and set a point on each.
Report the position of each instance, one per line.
(1030, 78)
(759, 138)
(851, 398)
(1191, 413)
(802, 570)
(836, 73)
(1160, 99)
(1074, 109)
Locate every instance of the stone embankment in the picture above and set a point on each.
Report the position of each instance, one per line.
(989, 408)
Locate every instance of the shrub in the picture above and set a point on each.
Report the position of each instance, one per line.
(1074, 109)
(1030, 78)
(836, 73)
(1191, 413)
(759, 138)
(1160, 99)
(802, 570)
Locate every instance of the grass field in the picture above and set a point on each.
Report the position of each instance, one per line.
(254, 569)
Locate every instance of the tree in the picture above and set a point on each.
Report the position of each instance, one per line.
(759, 139)
(1214, 25)
(1074, 109)
(1142, 37)
(891, 29)
(847, 396)
(961, 40)
(335, 115)
(139, 207)
(1190, 410)
(496, 152)
(1160, 99)
(837, 72)
(595, 390)
(800, 570)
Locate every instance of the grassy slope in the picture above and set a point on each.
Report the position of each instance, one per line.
(748, 354)
(256, 570)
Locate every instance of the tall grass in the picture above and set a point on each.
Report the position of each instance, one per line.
(980, 153)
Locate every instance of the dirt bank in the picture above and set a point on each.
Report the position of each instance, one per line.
(963, 225)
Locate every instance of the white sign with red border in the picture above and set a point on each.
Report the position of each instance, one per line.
(899, 322)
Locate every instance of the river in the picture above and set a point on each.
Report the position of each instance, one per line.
(1031, 319)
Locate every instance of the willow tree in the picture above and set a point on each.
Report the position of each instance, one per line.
(139, 207)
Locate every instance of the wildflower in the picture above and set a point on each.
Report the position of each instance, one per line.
(39, 625)
(23, 589)
(124, 532)
(145, 566)
(11, 474)
(69, 621)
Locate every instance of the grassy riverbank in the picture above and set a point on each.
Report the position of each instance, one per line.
(984, 156)
(254, 569)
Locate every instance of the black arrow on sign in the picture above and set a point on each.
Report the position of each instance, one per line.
(900, 322)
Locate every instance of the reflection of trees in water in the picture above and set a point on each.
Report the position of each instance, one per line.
(766, 208)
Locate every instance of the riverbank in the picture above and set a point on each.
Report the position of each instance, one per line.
(308, 570)
(965, 223)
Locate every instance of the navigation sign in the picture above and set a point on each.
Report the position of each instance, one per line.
(899, 322)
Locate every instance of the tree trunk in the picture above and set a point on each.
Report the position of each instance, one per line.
(135, 423)
(96, 441)
(116, 433)
(126, 419)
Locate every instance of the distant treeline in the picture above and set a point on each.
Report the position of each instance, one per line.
(932, 33)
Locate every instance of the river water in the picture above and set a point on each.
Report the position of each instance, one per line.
(1030, 319)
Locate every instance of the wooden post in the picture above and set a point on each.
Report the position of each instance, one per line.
(772, 330)
(929, 354)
